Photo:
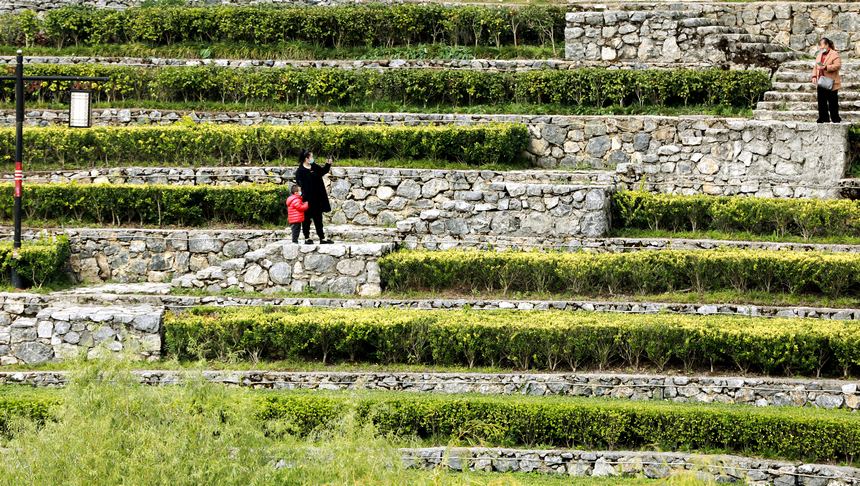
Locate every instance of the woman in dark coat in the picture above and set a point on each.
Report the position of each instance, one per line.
(309, 176)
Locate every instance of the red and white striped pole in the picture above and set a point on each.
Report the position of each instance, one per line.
(17, 282)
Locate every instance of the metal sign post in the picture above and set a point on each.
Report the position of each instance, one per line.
(19, 79)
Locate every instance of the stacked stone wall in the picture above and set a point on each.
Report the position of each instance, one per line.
(690, 155)
(32, 334)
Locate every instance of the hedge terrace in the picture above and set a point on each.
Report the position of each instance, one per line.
(542, 340)
(584, 87)
(790, 433)
(642, 272)
(210, 144)
(813, 435)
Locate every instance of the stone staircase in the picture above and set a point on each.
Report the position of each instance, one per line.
(793, 97)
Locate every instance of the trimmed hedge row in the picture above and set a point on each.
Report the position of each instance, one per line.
(376, 25)
(38, 262)
(791, 433)
(834, 274)
(586, 424)
(494, 143)
(593, 87)
(547, 340)
(804, 217)
(151, 204)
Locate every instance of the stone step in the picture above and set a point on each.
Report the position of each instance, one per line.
(803, 115)
(159, 294)
(57, 332)
(808, 96)
(805, 65)
(709, 30)
(806, 76)
(847, 105)
(806, 86)
(761, 392)
(742, 38)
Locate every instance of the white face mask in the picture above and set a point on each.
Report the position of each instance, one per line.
(312, 160)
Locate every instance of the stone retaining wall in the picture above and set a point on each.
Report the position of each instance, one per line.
(762, 392)
(250, 260)
(797, 25)
(644, 36)
(691, 154)
(653, 465)
(31, 335)
(159, 294)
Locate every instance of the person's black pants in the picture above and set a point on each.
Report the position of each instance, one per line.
(828, 106)
(317, 218)
(296, 228)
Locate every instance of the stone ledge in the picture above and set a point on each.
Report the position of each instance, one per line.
(653, 465)
(59, 332)
(158, 294)
(757, 391)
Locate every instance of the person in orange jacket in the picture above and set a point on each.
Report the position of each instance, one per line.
(296, 208)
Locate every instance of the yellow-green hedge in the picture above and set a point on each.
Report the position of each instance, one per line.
(792, 433)
(549, 340)
(802, 217)
(834, 274)
(38, 262)
(493, 143)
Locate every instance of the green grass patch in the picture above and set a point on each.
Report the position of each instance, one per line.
(544, 340)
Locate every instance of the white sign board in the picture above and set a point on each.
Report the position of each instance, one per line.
(79, 109)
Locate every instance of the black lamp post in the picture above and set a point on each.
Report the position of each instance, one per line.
(19, 79)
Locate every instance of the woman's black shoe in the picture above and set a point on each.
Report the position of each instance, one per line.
(326, 242)
(309, 241)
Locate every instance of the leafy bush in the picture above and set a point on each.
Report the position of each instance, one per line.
(38, 262)
(546, 340)
(815, 435)
(594, 87)
(804, 217)
(496, 143)
(15, 406)
(151, 204)
(834, 274)
(333, 26)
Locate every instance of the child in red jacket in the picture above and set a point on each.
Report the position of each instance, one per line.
(296, 211)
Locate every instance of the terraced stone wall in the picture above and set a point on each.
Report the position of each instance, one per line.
(797, 25)
(32, 334)
(691, 154)
(218, 260)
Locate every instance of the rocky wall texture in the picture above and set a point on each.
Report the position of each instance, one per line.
(215, 260)
(35, 334)
(762, 392)
(797, 25)
(689, 155)
(653, 465)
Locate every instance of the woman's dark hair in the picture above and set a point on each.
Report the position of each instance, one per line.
(303, 155)
(828, 42)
